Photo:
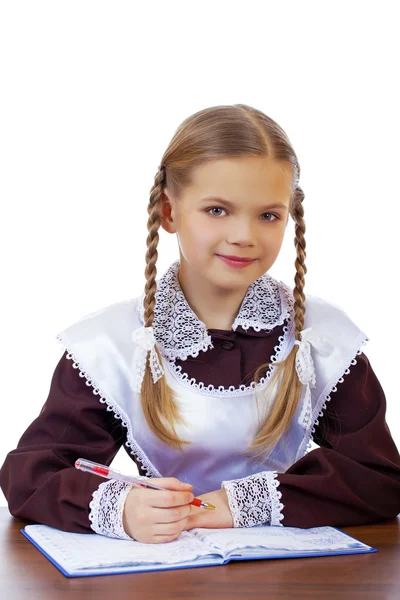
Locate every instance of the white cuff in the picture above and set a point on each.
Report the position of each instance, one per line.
(255, 500)
(107, 509)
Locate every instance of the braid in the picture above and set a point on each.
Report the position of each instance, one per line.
(289, 390)
(301, 269)
(153, 225)
(158, 399)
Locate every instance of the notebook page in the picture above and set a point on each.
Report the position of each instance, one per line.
(78, 551)
(289, 539)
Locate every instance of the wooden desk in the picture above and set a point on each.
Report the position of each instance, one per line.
(25, 574)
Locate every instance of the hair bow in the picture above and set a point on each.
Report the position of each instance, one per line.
(144, 343)
(305, 367)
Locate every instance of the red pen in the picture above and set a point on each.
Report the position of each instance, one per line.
(103, 471)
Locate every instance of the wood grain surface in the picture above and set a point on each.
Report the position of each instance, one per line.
(26, 574)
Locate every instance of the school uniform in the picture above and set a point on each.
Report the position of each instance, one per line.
(94, 408)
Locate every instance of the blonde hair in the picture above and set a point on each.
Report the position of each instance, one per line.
(213, 133)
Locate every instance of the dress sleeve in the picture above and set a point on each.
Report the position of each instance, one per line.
(38, 478)
(353, 478)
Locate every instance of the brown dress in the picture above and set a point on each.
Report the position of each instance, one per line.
(352, 478)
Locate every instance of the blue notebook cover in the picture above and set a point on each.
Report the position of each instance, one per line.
(87, 555)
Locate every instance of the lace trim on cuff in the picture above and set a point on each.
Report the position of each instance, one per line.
(254, 500)
(273, 482)
(107, 509)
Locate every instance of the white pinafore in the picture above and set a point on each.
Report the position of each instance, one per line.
(219, 422)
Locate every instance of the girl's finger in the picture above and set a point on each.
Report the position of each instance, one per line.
(166, 499)
(170, 515)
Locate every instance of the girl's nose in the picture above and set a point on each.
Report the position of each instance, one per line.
(241, 233)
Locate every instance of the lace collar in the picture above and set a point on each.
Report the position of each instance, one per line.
(178, 331)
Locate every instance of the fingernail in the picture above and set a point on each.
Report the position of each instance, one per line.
(182, 483)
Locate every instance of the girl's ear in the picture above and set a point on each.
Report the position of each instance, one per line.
(165, 214)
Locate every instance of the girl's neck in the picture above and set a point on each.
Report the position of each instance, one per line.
(216, 308)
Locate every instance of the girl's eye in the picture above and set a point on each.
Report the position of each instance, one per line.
(219, 208)
(215, 208)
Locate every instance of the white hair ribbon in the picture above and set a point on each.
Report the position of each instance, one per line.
(144, 343)
(305, 367)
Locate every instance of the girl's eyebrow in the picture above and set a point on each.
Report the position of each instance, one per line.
(232, 205)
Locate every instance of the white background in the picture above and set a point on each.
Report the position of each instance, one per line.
(91, 94)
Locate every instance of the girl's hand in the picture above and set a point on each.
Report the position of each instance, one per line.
(156, 516)
(211, 519)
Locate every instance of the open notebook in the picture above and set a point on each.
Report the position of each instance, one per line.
(82, 555)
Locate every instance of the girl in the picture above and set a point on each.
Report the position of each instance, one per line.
(179, 376)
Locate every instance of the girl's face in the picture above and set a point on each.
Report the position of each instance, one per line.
(231, 208)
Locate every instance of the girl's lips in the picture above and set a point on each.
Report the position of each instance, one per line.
(237, 258)
(234, 262)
